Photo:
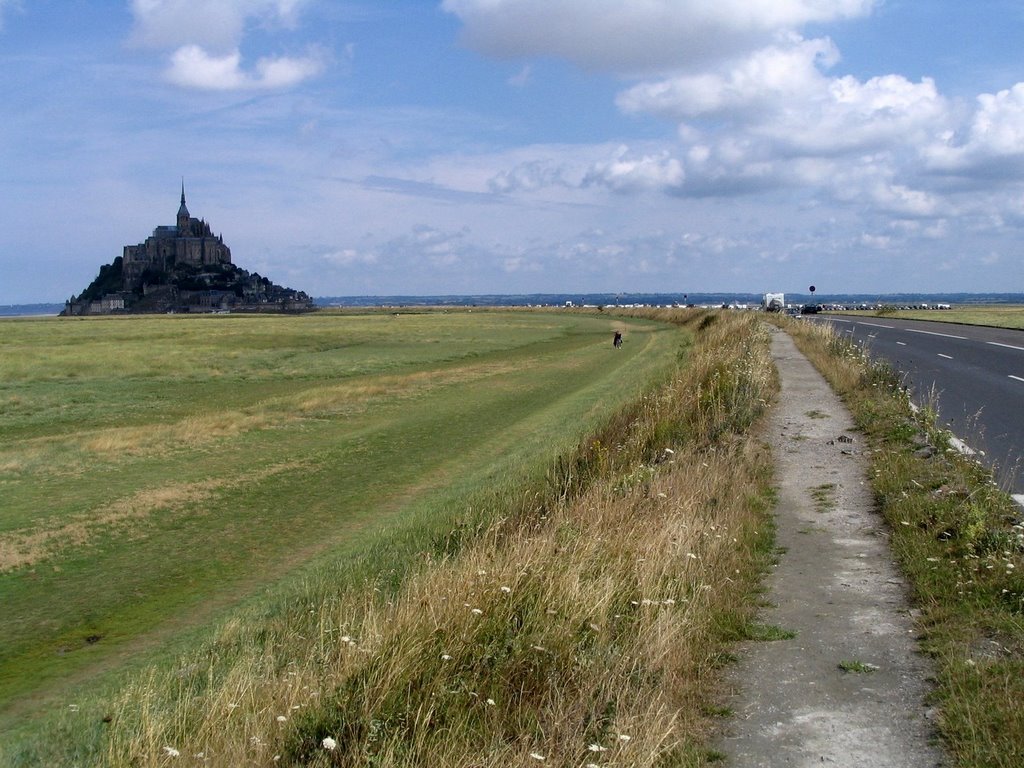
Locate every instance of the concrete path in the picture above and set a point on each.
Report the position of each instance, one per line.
(836, 587)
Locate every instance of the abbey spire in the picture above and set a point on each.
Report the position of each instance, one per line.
(183, 214)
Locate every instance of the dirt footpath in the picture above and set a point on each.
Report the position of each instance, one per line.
(848, 689)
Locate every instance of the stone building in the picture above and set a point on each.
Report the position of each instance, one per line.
(190, 241)
(182, 268)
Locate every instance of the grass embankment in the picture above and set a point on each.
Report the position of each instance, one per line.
(991, 315)
(157, 470)
(959, 540)
(572, 621)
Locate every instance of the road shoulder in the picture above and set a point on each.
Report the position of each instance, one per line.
(848, 688)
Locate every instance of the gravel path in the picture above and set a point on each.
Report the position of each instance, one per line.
(838, 590)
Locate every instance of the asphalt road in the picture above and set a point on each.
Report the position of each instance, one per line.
(973, 375)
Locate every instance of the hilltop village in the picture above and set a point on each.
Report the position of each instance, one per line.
(182, 267)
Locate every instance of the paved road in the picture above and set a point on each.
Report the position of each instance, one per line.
(974, 375)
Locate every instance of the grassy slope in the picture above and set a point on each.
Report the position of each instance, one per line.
(149, 464)
(576, 617)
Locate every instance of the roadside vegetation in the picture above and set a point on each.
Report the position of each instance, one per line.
(570, 616)
(157, 471)
(990, 314)
(959, 539)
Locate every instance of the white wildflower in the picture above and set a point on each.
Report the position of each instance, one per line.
(171, 752)
(329, 743)
(346, 639)
(623, 737)
(537, 756)
(281, 718)
(597, 748)
(490, 702)
(477, 612)
(507, 590)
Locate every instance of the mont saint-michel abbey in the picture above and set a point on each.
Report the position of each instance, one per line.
(182, 267)
(190, 241)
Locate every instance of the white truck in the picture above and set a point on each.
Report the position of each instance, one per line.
(774, 302)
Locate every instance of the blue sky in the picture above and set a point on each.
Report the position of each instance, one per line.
(520, 146)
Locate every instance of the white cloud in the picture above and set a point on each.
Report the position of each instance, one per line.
(529, 176)
(642, 35)
(192, 67)
(206, 39)
(217, 25)
(991, 145)
(625, 172)
(348, 257)
(768, 80)
(780, 94)
(522, 78)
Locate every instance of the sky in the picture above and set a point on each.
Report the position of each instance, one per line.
(422, 147)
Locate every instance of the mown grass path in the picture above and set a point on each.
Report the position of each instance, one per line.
(156, 471)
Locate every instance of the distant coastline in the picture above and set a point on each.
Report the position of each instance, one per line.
(600, 299)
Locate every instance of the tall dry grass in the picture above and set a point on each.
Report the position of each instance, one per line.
(582, 625)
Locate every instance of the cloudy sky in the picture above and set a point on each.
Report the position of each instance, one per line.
(354, 147)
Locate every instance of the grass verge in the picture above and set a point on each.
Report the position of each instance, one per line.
(578, 620)
(959, 539)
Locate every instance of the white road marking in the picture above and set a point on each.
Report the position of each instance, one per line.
(876, 325)
(933, 333)
(902, 343)
(1008, 346)
(837, 320)
(1016, 378)
(945, 356)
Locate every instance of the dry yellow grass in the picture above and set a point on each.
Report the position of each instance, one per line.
(68, 454)
(25, 548)
(568, 631)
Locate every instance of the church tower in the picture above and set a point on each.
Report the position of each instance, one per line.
(183, 214)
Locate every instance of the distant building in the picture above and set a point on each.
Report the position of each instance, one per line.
(182, 267)
(190, 241)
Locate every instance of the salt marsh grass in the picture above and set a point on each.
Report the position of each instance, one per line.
(570, 617)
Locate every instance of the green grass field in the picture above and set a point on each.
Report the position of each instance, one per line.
(158, 471)
(997, 316)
